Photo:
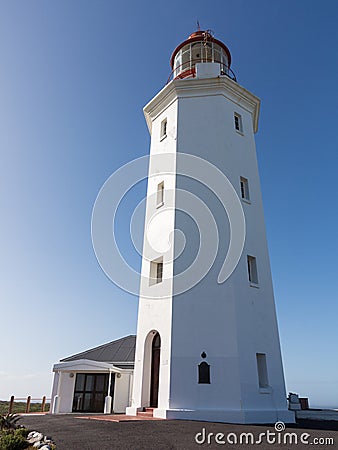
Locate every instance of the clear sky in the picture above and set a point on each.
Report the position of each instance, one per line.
(74, 78)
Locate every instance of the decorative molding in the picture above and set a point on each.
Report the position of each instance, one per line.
(200, 87)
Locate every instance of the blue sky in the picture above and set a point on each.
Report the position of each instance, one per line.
(73, 81)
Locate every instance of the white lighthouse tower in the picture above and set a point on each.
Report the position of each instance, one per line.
(207, 339)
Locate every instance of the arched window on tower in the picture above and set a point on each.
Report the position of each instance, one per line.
(203, 371)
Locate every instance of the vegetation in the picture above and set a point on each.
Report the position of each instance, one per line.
(9, 422)
(20, 407)
(12, 435)
(13, 440)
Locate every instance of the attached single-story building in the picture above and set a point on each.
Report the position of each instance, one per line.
(83, 382)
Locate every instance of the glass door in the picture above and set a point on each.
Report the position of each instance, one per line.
(90, 391)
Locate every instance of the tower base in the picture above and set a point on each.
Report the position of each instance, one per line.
(133, 410)
(228, 416)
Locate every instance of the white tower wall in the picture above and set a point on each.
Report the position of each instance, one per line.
(233, 321)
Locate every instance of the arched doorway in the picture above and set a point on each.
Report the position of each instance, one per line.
(155, 370)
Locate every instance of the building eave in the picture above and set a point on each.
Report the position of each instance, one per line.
(87, 365)
(196, 87)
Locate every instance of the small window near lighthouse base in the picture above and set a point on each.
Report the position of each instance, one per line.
(262, 370)
(163, 129)
(203, 373)
(252, 270)
(238, 122)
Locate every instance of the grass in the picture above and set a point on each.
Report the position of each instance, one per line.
(20, 407)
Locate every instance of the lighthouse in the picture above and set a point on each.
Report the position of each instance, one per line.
(207, 345)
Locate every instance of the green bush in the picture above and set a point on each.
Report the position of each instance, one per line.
(22, 431)
(13, 440)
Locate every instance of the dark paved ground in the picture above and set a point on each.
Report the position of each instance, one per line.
(72, 433)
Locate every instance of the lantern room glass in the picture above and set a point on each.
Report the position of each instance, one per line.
(196, 52)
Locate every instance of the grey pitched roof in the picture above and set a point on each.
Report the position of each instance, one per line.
(119, 351)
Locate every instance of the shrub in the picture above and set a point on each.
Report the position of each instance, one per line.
(22, 431)
(12, 440)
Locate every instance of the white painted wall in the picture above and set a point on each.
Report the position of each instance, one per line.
(121, 392)
(232, 321)
(155, 314)
(54, 391)
(66, 392)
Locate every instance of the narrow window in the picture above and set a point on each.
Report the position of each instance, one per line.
(262, 370)
(160, 195)
(164, 128)
(238, 122)
(244, 188)
(159, 272)
(156, 272)
(203, 373)
(252, 269)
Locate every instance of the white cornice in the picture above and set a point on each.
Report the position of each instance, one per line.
(195, 87)
(87, 365)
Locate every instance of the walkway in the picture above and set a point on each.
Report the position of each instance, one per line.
(71, 432)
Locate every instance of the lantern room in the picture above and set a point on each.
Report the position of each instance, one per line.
(200, 47)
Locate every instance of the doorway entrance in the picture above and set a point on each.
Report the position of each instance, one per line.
(155, 370)
(90, 391)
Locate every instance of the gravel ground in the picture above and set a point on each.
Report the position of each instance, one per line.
(73, 433)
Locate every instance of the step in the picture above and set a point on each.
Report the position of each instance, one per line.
(147, 412)
(144, 414)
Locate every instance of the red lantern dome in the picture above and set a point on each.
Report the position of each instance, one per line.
(200, 47)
